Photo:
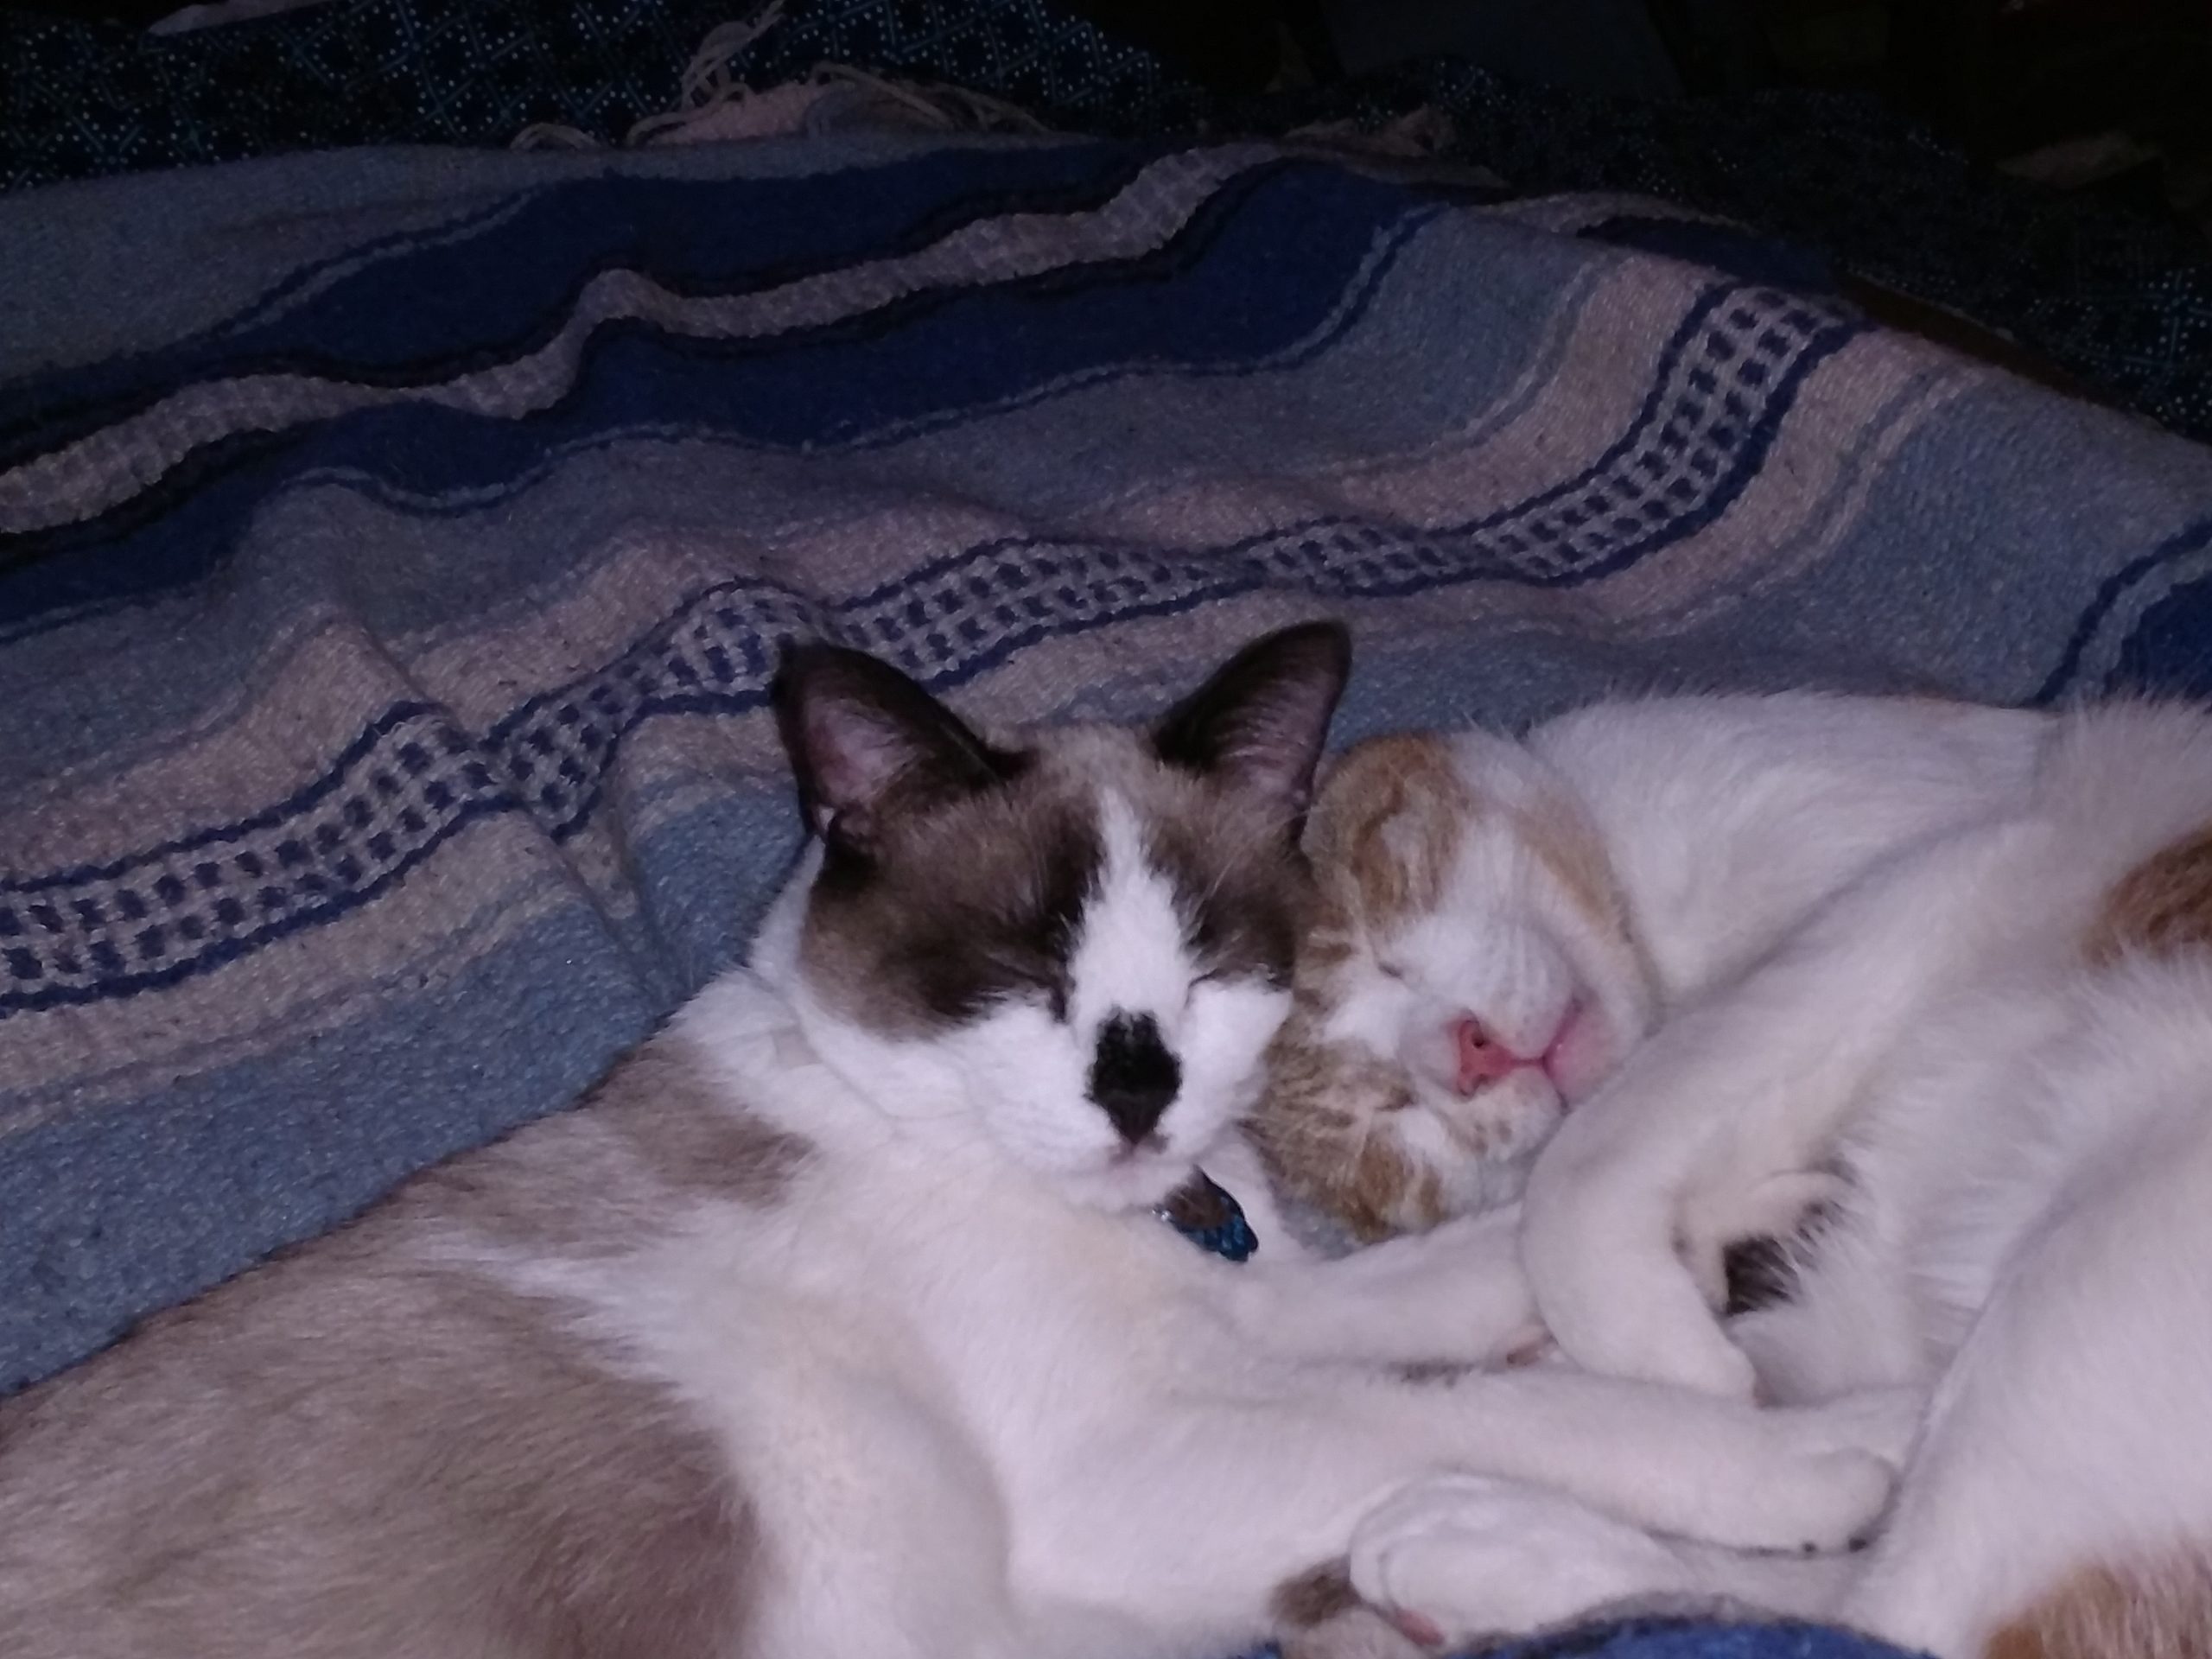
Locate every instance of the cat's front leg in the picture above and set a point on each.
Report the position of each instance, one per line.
(1220, 1497)
(1729, 1097)
(1455, 1294)
(1454, 1558)
(1620, 1263)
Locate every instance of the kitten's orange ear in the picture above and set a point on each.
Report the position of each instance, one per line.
(1397, 778)
(858, 731)
(1258, 724)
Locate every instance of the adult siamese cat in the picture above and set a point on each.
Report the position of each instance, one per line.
(838, 1321)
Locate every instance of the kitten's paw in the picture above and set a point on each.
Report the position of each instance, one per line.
(1777, 1208)
(1469, 1270)
(1884, 1423)
(1685, 1348)
(1454, 1557)
(1622, 1300)
(1702, 1357)
(1778, 1205)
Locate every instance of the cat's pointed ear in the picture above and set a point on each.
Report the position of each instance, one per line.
(1259, 723)
(858, 732)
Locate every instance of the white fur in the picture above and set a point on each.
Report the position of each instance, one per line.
(981, 1404)
(1870, 922)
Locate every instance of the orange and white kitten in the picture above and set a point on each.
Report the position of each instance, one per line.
(1499, 922)
(1941, 970)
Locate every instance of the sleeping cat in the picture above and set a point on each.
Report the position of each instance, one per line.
(1941, 972)
(838, 1321)
(1497, 922)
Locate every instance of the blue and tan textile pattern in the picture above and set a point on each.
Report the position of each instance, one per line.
(389, 591)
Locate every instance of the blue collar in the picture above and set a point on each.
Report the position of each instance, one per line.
(1209, 1217)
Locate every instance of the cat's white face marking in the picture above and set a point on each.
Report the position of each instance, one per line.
(1154, 1057)
(1071, 954)
(1131, 955)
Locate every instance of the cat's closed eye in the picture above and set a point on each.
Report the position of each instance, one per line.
(1014, 967)
(1052, 982)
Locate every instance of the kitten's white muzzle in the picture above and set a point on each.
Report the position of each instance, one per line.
(1581, 1055)
(1460, 1055)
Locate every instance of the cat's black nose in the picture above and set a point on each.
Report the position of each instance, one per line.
(1133, 1078)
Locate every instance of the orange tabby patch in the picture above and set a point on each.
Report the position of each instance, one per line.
(2134, 1612)
(2163, 904)
(1310, 1137)
(1315, 1598)
(1321, 1617)
(1388, 819)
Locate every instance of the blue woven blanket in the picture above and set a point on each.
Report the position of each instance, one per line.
(393, 545)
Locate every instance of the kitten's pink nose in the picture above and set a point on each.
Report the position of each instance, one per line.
(1482, 1057)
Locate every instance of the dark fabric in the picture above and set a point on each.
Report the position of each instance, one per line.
(2121, 299)
(84, 100)
(389, 593)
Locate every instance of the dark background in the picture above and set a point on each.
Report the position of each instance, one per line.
(2123, 88)
(2111, 99)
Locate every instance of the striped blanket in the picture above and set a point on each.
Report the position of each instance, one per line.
(394, 546)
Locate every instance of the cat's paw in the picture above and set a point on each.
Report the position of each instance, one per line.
(1361, 1633)
(1533, 1346)
(1835, 1468)
(1456, 1557)
(1811, 1503)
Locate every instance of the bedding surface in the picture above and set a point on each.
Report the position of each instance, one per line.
(388, 593)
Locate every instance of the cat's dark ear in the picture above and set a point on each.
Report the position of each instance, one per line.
(859, 732)
(1259, 723)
